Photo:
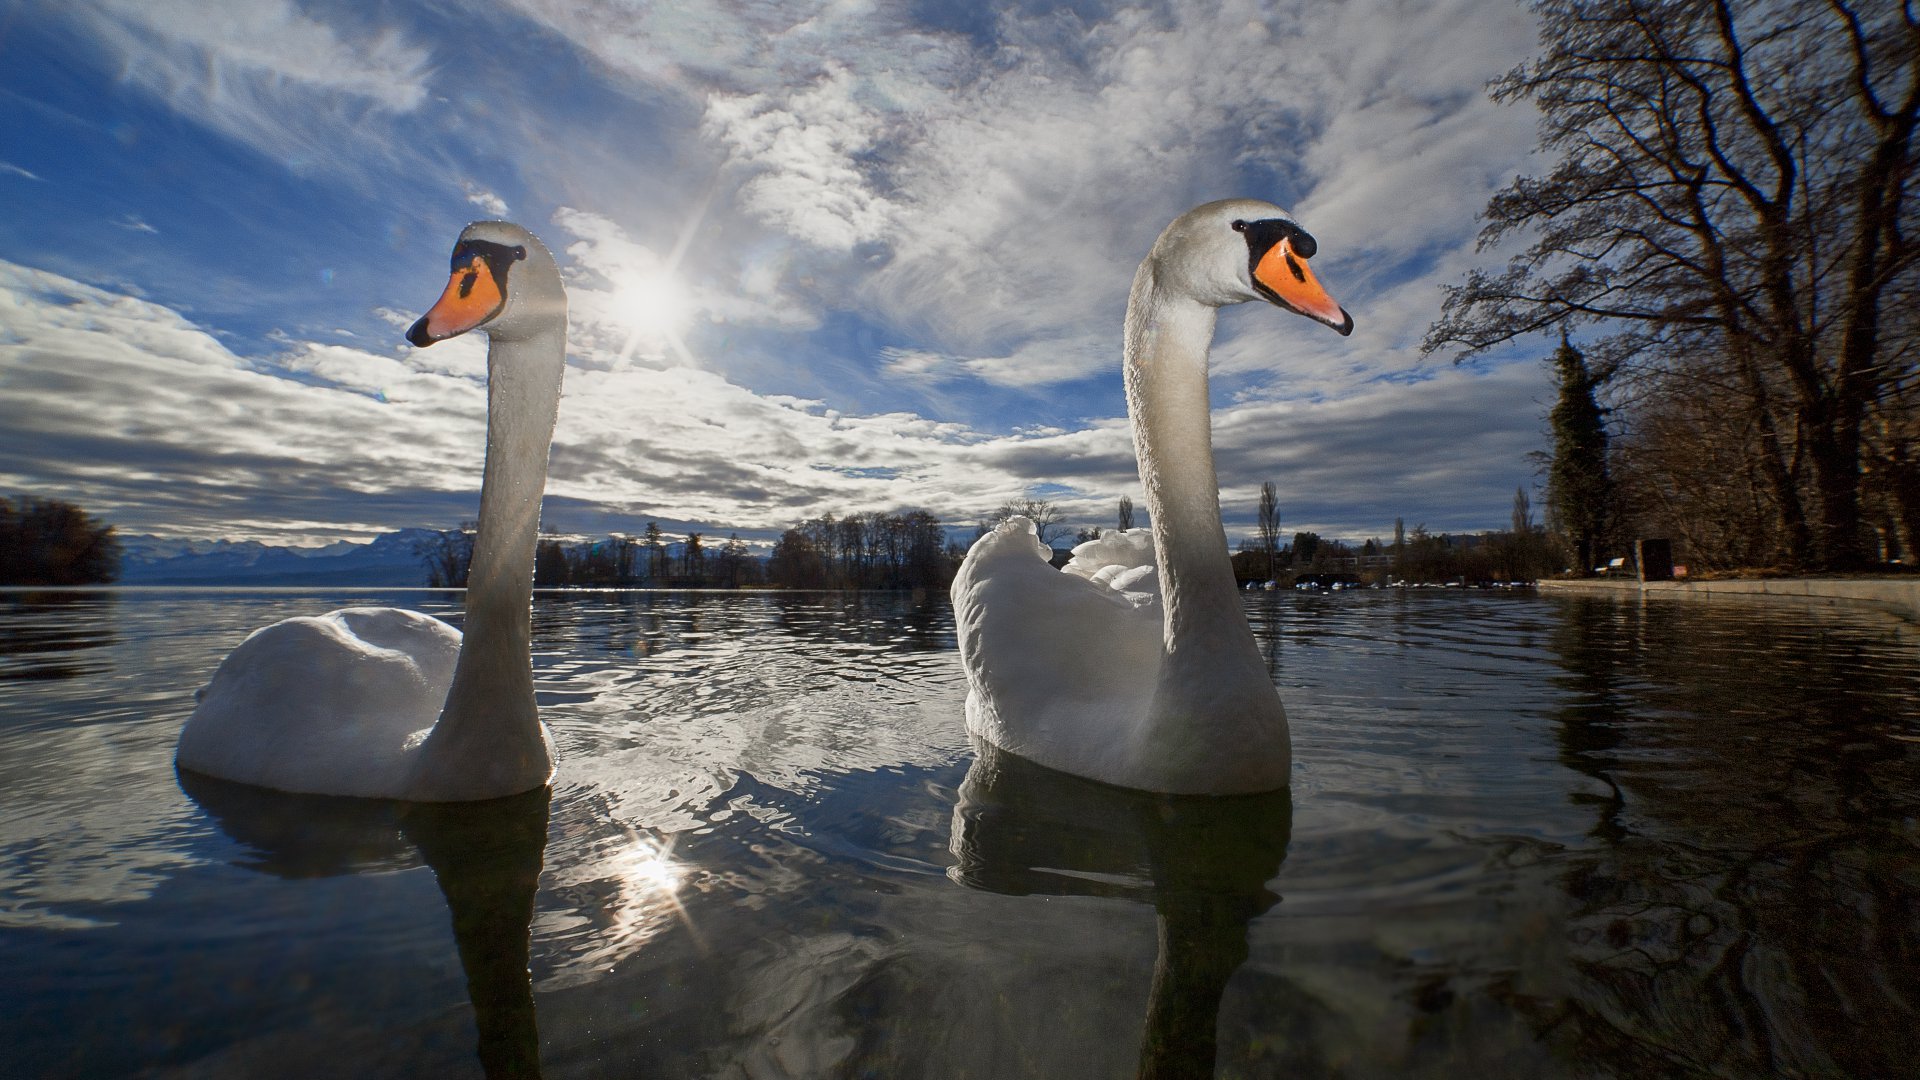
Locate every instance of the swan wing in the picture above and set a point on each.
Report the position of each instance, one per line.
(1122, 560)
(1060, 664)
(334, 704)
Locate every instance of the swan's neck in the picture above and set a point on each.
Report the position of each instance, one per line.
(1206, 634)
(489, 724)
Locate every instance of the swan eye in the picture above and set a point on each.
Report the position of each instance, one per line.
(473, 257)
(1303, 242)
(1239, 226)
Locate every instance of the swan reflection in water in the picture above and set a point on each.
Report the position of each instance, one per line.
(486, 856)
(1203, 862)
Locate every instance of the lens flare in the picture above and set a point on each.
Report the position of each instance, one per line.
(653, 306)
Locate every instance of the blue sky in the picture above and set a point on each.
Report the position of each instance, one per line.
(827, 257)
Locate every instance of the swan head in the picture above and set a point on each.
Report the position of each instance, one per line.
(503, 280)
(1236, 250)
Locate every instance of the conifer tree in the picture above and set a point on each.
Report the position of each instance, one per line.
(1579, 489)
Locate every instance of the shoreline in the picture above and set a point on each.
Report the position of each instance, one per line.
(1901, 596)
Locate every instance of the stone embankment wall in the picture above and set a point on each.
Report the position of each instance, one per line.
(1898, 595)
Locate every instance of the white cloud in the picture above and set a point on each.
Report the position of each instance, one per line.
(490, 204)
(1035, 363)
(990, 204)
(1413, 146)
(987, 202)
(9, 169)
(982, 205)
(265, 72)
(804, 151)
(144, 416)
(276, 40)
(921, 364)
(1025, 204)
(125, 405)
(699, 47)
(141, 415)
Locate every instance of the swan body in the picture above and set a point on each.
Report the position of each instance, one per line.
(1134, 664)
(390, 703)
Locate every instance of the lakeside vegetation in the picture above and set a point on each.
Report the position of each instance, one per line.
(51, 542)
(1413, 557)
(1728, 239)
(862, 550)
(47, 541)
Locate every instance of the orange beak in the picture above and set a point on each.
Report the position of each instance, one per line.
(1284, 276)
(471, 298)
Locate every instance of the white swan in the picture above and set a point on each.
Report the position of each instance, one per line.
(389, 703)
(1097, 671)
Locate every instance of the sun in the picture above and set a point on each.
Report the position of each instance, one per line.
(655, 307)
(653, 303)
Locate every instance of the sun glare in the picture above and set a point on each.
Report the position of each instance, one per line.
(650, 869)
(655, 308)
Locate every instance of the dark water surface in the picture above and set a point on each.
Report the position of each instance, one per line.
(1527, 837)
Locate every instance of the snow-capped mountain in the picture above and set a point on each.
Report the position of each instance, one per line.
(391, 559)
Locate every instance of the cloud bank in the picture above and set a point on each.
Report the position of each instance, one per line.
(858, 256)
(139, 413)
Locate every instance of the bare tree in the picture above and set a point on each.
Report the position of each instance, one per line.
(796, 562)
(1046, 517)
(912, 547)
(1893, 440)
(1126, 513)
(1689, 468)
(693, 556)
(656, 546)
(734, 567)
(447, 554)
(1523, 545)
(624, 549)
(1269, 524)
(850, 540)
(1733, 183)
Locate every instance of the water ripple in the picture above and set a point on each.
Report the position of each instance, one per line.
(1530, 836)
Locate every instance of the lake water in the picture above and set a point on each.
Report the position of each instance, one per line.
(1527, 837)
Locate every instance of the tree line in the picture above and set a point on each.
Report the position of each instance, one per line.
(1729, 230)
(868, 550)
(608, 562)
(875, 550)
(1525, 552)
